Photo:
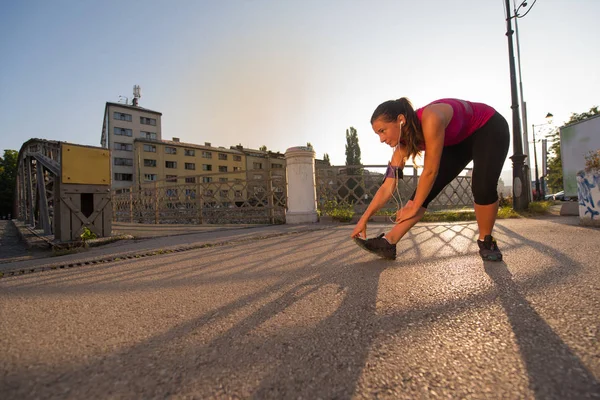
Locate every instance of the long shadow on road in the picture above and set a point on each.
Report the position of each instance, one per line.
(553, 368)
(321, 359)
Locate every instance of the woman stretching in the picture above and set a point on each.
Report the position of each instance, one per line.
(452, 133)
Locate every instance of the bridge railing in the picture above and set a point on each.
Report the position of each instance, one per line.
(219, 198)
(357, 185)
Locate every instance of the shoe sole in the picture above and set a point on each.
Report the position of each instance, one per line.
(492, 258)
(361, 243)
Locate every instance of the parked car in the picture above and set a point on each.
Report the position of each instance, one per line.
(561, 197)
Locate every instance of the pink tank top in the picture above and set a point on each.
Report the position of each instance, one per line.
(467, 117)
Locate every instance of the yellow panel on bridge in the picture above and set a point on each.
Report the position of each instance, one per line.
(85, 165)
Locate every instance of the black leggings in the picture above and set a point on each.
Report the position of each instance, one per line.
(487, 148)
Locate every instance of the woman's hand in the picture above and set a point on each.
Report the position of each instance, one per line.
(407, 212)
(360, 228)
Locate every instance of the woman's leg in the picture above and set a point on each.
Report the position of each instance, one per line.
(486, 218)
(399, 230)
(454, 159)
(490, 146)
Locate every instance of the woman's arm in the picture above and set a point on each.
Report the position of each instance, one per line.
(383, 193)
(434, 121)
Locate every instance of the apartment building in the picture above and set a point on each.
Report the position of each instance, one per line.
(171, 162)
(260, 167)
(122, 124)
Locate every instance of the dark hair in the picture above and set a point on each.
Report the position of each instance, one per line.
(390, 110)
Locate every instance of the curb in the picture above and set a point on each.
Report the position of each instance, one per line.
(129, 255)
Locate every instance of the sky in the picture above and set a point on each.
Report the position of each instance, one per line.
(282, 73)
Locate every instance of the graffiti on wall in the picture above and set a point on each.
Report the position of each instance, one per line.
(588, 190)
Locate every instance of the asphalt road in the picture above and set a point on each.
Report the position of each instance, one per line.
(309, 315)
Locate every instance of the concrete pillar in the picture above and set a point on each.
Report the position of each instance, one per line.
(301, 191)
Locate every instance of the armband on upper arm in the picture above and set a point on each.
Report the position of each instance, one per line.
(393, 172)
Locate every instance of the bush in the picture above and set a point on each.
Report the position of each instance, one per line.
(592, 161)
(87, 235)
(342, 211)
(505, 201)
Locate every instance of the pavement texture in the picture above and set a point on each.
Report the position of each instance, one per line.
(301, 312)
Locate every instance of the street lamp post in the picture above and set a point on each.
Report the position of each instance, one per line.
(520, 196)
(537, 179)
(538, 193)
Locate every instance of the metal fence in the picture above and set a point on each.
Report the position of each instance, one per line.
(221, 198)
(357, 184)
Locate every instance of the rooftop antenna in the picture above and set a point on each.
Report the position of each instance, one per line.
(137, 93)
(123, 97)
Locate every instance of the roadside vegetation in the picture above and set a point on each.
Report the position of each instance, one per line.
(344, 212)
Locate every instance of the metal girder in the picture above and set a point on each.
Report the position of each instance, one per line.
(50, 164)
(43, 200)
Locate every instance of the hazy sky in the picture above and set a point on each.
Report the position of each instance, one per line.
(282, 73)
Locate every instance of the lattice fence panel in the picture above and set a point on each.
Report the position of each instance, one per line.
(204, 199)
(357, 185)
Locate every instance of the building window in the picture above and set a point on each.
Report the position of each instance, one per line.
(122, 116)
(222, 179)
(189, 152)
(206, 179)
(257, 177)
(171, 178)
(123, 132)
(148, 135)
(123, 161)
(257, 165)
(206, 167)
(150, 148)
(236, 169)
(222, 168)
(189, 165)
(170, 150)
(123, 177)
(206, 154)
(222, 156)
(190, 193)
(149, 162)
(237, 158)
(148, 121)
(191, 179)
(224, 193)
(208, 192)
(171, 192)
(170, 164)
(150, 177)
(276, 165)
(123, 146)
(238, 194)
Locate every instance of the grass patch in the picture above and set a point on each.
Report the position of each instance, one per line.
(507, 212)
(449, 216)
(539, 207)
(535, 208)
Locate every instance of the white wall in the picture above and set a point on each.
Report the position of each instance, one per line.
(577, 140)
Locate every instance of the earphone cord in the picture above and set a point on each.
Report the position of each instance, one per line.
(398, 199)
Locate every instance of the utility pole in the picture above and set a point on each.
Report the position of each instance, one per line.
(520, 198)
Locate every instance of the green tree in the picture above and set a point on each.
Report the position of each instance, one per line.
(354, 183)
(8, 181)
(352, 148)
(326, 158)
(309, 145)
(555, 175)
(263, 148)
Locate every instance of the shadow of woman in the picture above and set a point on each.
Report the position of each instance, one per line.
(330, 357)
(554, 370)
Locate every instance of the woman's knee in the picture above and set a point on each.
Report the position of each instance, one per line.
(485, 196)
